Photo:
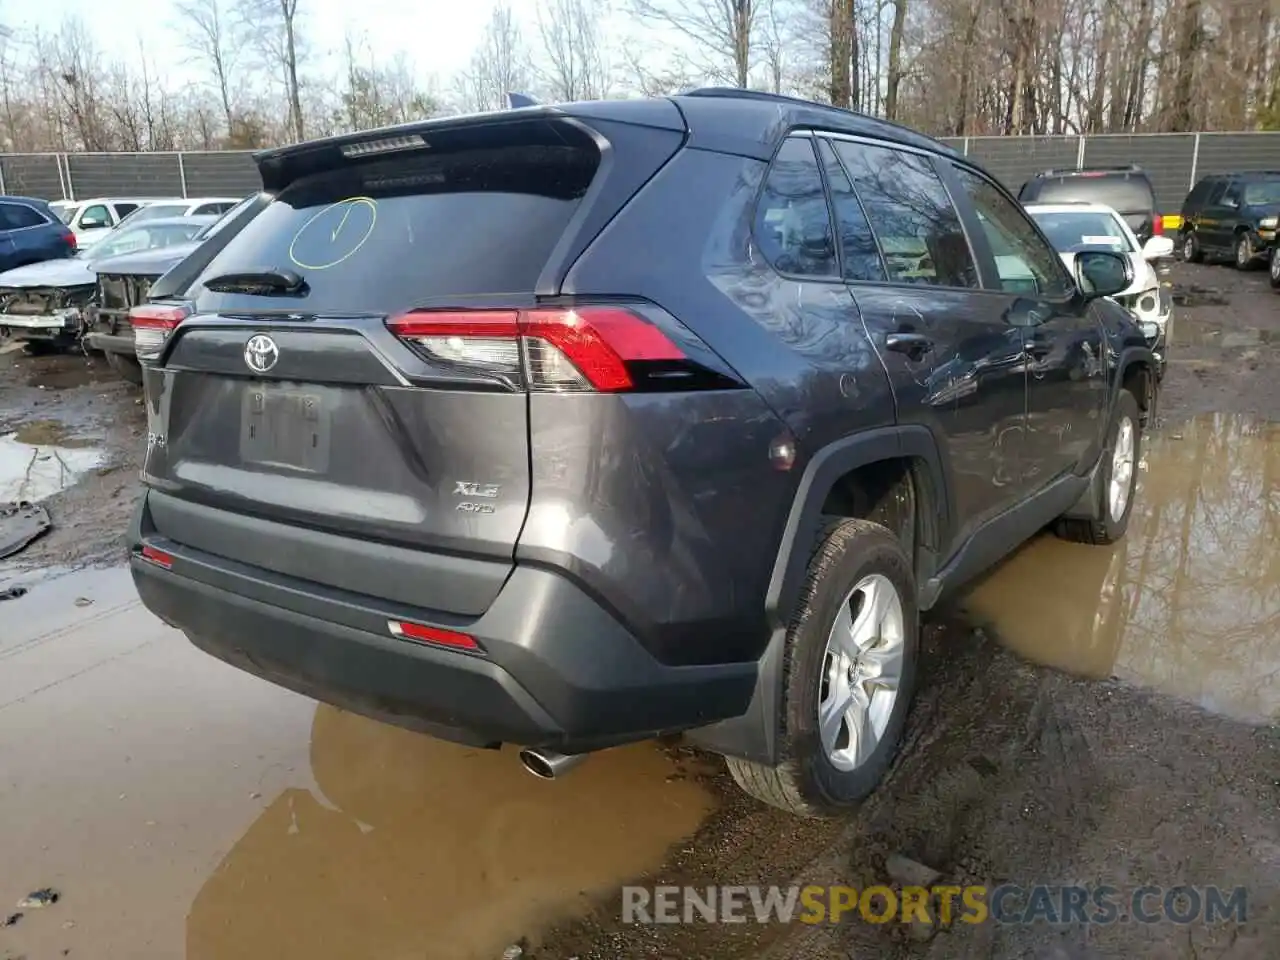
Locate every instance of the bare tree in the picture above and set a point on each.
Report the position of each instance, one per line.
(216, 38)
(572, 63)
(500, 65)
(276, 26)
(723, 31)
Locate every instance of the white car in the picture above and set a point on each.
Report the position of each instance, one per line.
(91, 220)
(189, 207)
(1073, 228)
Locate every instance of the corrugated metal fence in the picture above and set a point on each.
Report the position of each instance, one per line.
(1174, 161)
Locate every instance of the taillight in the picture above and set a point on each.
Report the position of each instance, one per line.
(1157, 225)
(152, 323)
(70, 240)
(609, 349)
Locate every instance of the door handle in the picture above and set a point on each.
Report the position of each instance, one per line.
(914, 345)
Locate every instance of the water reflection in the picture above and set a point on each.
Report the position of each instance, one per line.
(1189, 601)
(35, 470)
(423, 849)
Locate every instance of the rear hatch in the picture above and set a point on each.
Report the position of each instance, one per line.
(1129, 194)
(303, 389)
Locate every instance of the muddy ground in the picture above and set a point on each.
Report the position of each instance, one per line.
(1147, 753)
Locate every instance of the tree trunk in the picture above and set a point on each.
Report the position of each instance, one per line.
(895, 59)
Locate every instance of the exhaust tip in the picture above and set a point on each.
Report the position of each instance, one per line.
(547, 764)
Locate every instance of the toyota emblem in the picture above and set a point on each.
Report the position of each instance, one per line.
(261, 353)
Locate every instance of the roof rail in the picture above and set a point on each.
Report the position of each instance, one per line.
(740, 93)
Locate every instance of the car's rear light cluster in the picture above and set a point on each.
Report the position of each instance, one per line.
(70, 240)
(609, 349)
(1157, 225)
(152, 323)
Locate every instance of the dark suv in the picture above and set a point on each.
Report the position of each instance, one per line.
(1231, 215)
(571, 426)
(1126, 190)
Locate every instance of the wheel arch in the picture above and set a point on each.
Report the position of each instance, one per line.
(852, 477)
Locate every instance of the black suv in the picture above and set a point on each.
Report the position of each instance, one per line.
(1231, 215)
(571, 426)
(1126, 190)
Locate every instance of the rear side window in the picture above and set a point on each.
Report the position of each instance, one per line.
(793, 222)
(912, 216)
(124, 209)
(1123, 193)
(16, 216)
(387, 234)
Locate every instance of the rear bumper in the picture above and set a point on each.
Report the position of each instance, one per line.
(557, 670)
(40, 327)
(110, 342)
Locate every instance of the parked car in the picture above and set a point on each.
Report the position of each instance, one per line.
(190, 207)
(1127, 190)
(44, 304)
(91, 220)
(125, 281)
(1231, 215)
(1075, 228)
(575, 425)
(31, 232)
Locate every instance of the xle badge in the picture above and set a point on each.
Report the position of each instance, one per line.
(468, 488)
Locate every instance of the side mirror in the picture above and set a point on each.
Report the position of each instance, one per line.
(1157, 248)
(1100, 274)
(92, 223)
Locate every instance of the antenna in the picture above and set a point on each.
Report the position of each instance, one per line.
(517, 100)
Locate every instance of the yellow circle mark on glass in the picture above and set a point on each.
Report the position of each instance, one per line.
(341, 229)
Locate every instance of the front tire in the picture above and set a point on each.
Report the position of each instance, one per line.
(1119, 479)
(848, 676)
(1244, 252)
(1273, 268)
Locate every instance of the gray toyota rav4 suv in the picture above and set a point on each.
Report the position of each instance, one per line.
(564, 427)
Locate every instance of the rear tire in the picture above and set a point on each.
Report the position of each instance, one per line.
(1119, 479)
(855, 630)
(126, 367)
(1191, 251)
(1273, 268)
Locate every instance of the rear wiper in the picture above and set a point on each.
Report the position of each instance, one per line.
(261, 283)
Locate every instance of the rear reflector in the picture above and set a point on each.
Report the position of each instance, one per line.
(152, 323)
(565, 348)
(158, 557)
(433, 636)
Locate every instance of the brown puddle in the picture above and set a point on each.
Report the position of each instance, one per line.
(1189, 602)
(1195, 332)
(185, 809)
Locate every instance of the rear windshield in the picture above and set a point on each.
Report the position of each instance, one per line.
(1259, 194)
(384, 235)
(1122, 194)
(1086, 230)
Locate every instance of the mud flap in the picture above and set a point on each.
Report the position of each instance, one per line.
(1089, 506)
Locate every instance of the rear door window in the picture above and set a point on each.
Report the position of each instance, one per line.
(17, 216)
(912, 216)
(391, 233)
(793, 222)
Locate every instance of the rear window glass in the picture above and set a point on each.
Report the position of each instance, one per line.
(384, 235)
(1123, 194)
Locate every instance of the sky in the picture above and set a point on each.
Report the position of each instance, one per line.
(438, 35)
